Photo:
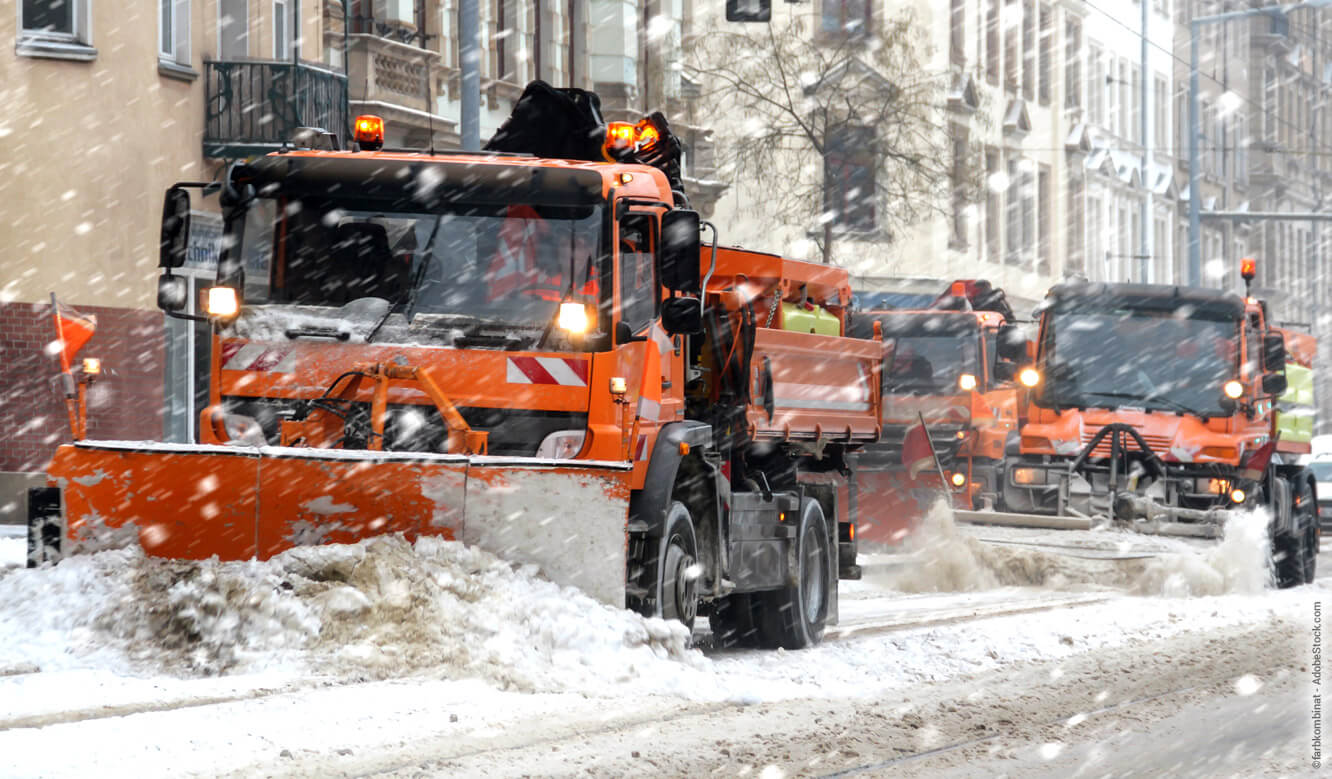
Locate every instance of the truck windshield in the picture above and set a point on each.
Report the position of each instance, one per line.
(929, 364)
(507, 265)
(1139, 358)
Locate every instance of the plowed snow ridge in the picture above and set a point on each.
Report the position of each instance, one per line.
(375, 609)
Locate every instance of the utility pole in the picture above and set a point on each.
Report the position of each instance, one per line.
(1145, 239)
(469, 62)
(1195, 211)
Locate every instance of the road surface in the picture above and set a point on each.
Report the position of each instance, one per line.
(1058, 678)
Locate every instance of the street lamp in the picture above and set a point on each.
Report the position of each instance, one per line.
(1278, 15)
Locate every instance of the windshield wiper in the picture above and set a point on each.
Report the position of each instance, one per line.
(406, 299)
(317, 332)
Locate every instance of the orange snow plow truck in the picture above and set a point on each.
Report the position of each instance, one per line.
(1158, 409)
(528, 349)
(939, 369)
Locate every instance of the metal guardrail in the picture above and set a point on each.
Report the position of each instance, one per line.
(254, 107)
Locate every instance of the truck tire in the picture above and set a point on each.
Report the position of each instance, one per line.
(733, 622)
(1296, 554)
(673, 570)
(795, 616)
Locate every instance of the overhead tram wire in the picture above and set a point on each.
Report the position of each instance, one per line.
(1263, 111)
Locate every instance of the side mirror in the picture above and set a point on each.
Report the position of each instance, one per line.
(1011, 343)
(680, 248)
(681, 316)
(175, 228)
(1274, 383)
(1274, 352)
(1005, 370)
(172, 293)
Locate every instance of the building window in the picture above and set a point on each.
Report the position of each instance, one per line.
(283, 28)
(1162, 109)
(233, 29)
(173, 32)
(60, 29)
(993, 191)
(1043, 74)
(992, 50)
(1135, 113)
(1161, 249)
(1012, 46)
(1013, 211)
(1095, 85)
(846, 17)
(1072, 64)
(1029, 49)
(957, 26)
(958, 239)
(848, 178)
(1077, 227)
(1095, 251)
(1044, 210)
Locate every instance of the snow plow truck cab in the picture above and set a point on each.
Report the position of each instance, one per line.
(940, 368)
(625, 411)
(1153, 408)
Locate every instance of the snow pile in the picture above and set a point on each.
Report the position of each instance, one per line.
(377, 609)
(939, 556)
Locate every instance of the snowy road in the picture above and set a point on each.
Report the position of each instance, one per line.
(1061, 675)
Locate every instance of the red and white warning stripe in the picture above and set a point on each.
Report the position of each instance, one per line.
(257, 357)
(563, 371)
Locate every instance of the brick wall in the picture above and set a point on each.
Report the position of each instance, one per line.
(126, 403)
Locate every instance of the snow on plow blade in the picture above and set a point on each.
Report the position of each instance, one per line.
(196, 501)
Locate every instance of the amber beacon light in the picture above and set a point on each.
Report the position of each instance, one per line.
(369, 132)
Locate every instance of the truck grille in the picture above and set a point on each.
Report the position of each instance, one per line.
(1160, 444)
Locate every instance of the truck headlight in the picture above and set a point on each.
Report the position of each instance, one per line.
(243, 431)
(573, 317)
(1028, 476)
(562, 444)
(222, 302)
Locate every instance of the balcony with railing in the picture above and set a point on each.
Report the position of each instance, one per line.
(254, 107)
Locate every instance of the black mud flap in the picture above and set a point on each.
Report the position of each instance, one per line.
(46, 525)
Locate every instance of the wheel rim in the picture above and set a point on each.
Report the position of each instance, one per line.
(684, 593)
(812, 578)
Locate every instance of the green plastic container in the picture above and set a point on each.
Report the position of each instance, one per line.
(802, 320)
(1295, 414)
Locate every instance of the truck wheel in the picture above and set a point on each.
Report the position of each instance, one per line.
(732, 621)
(1306, 522)
(673, 571)
(1289, 556)
(1296, 554)
(794, 617)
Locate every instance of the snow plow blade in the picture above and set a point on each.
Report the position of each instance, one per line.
(197, 501)
(892, 505)
(1050, 522)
